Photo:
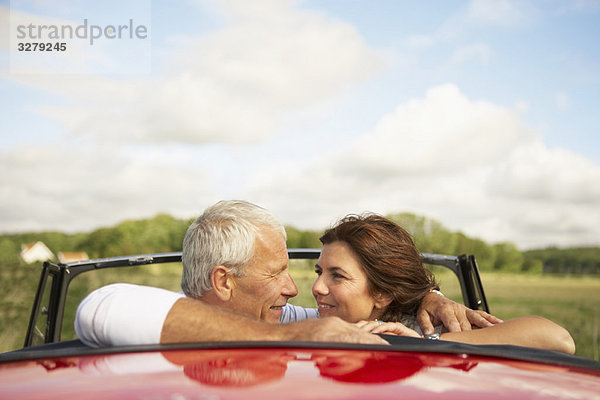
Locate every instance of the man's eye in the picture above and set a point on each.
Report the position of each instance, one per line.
(318, 271)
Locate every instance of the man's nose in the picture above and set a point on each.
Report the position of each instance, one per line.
(289, 289)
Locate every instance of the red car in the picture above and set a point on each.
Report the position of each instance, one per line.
(409, 368)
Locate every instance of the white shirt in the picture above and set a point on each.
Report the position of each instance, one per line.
(124, 314)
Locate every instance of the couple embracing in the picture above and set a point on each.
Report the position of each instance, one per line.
(236, 284)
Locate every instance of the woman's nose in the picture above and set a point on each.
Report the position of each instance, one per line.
(319, 287)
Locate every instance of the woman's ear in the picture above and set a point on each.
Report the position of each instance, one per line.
(222, 282)
(382, 300)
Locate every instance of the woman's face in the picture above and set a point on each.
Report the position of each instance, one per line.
(341, 287)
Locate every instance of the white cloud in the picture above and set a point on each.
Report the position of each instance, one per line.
(472, 165)
(445, 125)
(60, 188)
(486, 14)
(546, 196)
(498, 12)
(233, 85)
(536, 172)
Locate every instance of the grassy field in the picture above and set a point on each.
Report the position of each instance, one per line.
(573, 302)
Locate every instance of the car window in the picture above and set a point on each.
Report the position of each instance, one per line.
(40, 330)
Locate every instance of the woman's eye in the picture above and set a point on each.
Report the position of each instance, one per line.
(318, 271)
(337, 276)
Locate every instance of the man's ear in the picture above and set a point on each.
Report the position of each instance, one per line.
(222, 282)
(382, 300)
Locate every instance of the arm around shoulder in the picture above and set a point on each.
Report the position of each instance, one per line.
(191, 320)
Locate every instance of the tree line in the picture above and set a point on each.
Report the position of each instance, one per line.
(164, 233)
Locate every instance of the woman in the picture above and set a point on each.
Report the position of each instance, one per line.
(371, 271)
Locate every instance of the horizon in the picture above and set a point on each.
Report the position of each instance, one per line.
(115, 225)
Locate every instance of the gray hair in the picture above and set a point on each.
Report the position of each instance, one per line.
(224, 234)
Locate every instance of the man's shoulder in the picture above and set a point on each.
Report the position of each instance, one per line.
(129, 289)
(123, 314)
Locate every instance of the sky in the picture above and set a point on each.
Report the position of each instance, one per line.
(483, 115)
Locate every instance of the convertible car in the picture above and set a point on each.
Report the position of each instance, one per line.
(408, 368)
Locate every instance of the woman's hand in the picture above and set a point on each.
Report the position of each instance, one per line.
(387, 328)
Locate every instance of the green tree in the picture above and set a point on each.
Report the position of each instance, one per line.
(302, 239)
(508, 258)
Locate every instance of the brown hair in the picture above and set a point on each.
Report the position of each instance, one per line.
(389, 258)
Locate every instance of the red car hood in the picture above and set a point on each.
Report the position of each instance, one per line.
(291, 373)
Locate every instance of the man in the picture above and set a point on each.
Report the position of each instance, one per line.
(235, 274)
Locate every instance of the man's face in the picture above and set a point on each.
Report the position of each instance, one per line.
(266, 285)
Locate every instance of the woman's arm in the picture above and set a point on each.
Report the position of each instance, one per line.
(531, 331)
